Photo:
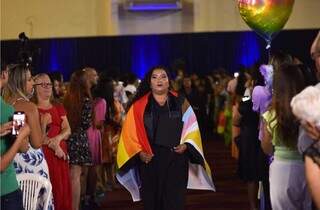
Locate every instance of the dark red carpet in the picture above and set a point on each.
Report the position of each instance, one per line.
(230, 191)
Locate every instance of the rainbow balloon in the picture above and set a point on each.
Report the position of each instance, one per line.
(266, 17)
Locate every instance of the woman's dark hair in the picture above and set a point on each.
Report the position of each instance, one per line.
(3, 65)
(257, 76)
(55, 76)
(279, 58)
(241, 81)
(288, 81)
(144, 86)
(105, 90)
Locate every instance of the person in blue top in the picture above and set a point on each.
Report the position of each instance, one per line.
(10, 194)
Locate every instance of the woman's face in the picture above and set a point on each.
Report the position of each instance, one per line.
(57, 87)
(29, 83)
(159, 81)
(43, 87)
(249, 82)
(187, 82)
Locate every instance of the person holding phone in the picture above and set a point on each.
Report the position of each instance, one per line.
(18, 91)
(10, 193)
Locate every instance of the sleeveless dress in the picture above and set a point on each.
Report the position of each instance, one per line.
(33, 161)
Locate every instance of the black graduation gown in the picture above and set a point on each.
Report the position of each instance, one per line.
(164, 179)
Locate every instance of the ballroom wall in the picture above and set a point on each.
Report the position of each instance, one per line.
(87, 18)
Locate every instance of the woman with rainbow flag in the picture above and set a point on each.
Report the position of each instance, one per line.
(160, 150)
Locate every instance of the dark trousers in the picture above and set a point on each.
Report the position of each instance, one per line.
(164, 180)
(12, 201)
(264, 167)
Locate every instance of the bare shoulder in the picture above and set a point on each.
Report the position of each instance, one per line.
(28, 107)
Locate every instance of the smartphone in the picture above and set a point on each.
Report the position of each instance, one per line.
(18, 121)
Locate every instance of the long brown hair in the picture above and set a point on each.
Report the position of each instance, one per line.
(73, 101)
(16, 82)
(288, 81)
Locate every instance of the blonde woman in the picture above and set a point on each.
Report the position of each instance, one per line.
(55, 147)
(17, 93)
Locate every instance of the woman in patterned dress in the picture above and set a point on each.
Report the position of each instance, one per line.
(17, 93)
(78, 104)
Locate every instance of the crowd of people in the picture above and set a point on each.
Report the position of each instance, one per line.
(88, 135)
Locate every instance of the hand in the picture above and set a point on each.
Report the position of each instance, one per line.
(145, 157)
(46, 140)
(54, 143)
(45, 119)
(60, 153)
(115, 139)
(5, 128)
(24, 132)
(312, 131)
(22, 138)
(180, 149)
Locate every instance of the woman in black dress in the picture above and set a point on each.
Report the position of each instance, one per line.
(252, 161)
(78, 104)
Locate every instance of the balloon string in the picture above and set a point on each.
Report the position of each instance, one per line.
(268, 48)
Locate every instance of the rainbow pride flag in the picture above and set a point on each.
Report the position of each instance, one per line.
(133, 139)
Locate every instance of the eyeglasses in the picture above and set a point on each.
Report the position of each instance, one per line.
(44, 85)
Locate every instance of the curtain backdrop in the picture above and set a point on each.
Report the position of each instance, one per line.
(202, 52)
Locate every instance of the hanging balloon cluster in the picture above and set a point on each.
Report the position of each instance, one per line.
(266, 17)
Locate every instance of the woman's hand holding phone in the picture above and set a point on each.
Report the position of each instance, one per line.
(22, 138)
(5, 128)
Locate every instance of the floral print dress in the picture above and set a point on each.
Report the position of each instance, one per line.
(78, 146)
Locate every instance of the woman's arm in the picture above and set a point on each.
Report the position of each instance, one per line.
(100, 110)
(65, 128)
(312, 176)
(63, 135)
(21, 140)
(266, 142)
(37, 134)
(236, 116)
(5, 128)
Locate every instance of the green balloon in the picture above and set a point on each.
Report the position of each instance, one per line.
(266, 17)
